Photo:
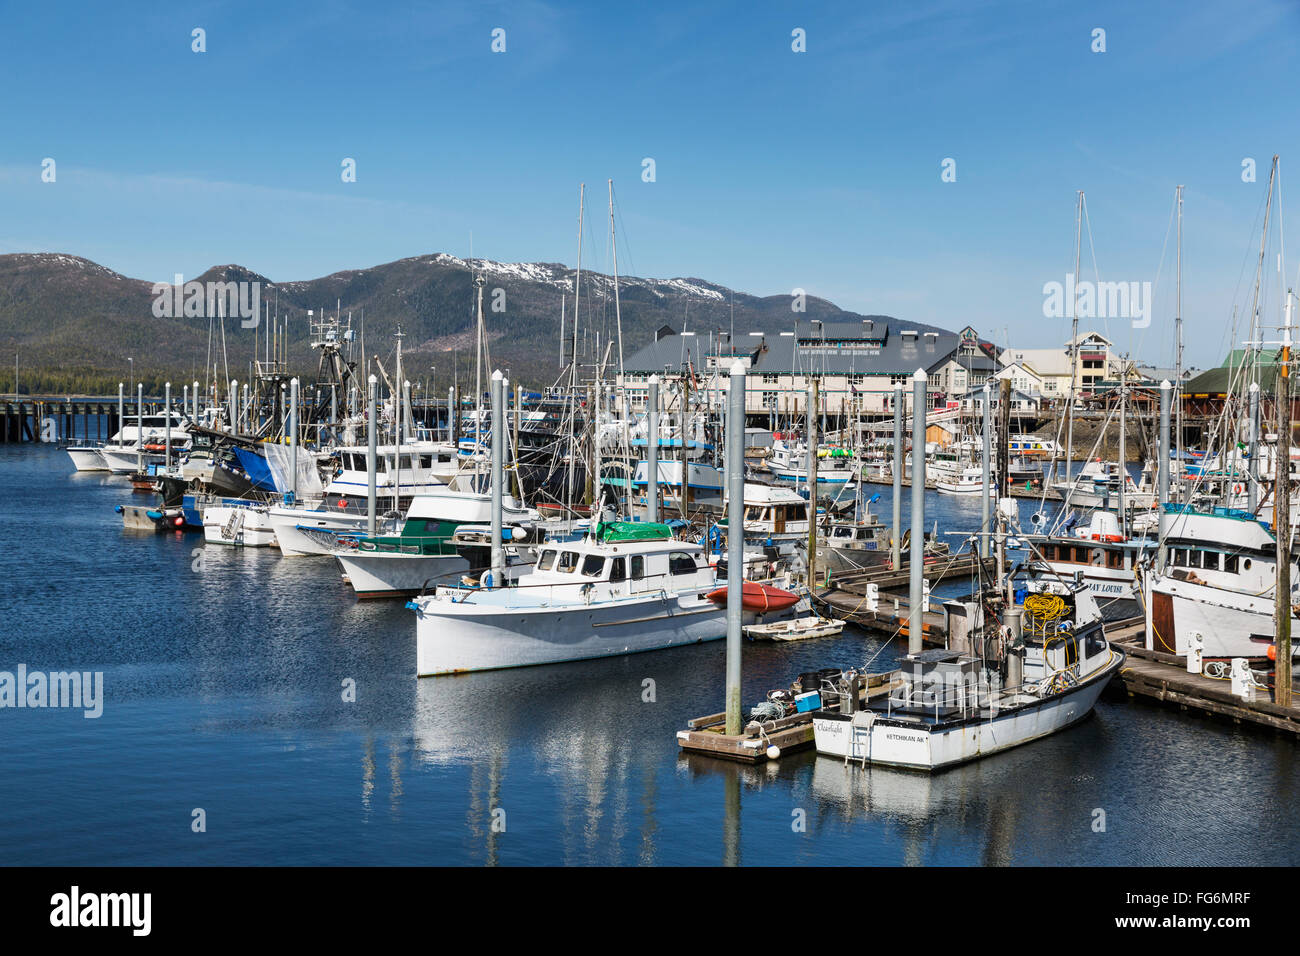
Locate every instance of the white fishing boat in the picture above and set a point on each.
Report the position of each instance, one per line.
(419, 467)
(944, 707)
(789, 462)
(425, 553)
(1218, 590)
(703, 484)
(969, 482)
(315, 531)
(1100, 555)
(626, 588)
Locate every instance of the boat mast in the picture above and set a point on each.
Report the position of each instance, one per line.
(1074, 340)
(479, 282)
(1178, 339)
(573, 366)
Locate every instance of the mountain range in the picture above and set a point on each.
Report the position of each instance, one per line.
(73, 323)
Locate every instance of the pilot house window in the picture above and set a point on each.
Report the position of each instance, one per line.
(680, 563)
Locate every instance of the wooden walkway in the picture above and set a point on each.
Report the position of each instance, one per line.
(1163, 677)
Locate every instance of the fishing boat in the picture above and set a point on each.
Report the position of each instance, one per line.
(627, 587)
(969, 482)
(424, 550)
(942, 707)
(1218, 589)
(419, 467)
(703, 485)
(1099, 554)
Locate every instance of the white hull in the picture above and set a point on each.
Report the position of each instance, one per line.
(395, 574)
(965, 490)
(452, 642)
(300, 531)
(919, 747)
(87, 459)
(238, 526)
(125, 461)
(1225, 620)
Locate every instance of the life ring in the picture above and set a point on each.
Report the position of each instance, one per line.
(343, 503)
(1238, 488)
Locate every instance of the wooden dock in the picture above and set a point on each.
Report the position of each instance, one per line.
(1164, 678)
(705, 735)
(847, 597)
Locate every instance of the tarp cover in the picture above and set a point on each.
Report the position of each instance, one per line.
(278, 458)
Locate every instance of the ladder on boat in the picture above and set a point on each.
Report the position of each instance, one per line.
(233, 529)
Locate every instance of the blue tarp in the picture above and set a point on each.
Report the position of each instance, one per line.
(255, 466)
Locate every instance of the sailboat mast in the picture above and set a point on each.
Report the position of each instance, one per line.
(1282, 521)
(1074, 338)
(618, 315)
(573, 367)
(1178, 340)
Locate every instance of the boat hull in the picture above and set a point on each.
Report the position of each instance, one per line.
(380, 574)
(893, 743)
(87, 459)
(1225, 620)
(300, 532)
(455, 639)
(224, 525)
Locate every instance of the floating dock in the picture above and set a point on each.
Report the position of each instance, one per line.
(847, 597)
(705, 735)
(1163, 677)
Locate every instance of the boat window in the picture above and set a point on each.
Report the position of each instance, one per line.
(1245, 565)
(443, 458)
(406, 462)
(753, 514)
(426, 461)
(592, 565)
(1230, 563)
(617, 569)
(568, 561)
(546, 560)
(381, 465)
(638, 567)
(681, 563)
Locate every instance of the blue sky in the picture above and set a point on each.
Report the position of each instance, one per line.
(774, 169)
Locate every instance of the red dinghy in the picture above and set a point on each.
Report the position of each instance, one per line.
(759, 598)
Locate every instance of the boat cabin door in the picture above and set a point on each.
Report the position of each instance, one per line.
(778, 519)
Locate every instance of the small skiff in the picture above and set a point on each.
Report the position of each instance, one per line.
(801, 629)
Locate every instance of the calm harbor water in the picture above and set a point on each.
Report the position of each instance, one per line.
(223, 690)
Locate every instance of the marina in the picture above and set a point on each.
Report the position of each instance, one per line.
(761, 436)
